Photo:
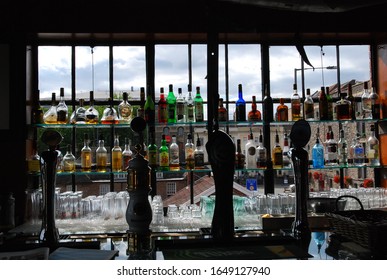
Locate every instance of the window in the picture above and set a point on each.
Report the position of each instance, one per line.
(171, 188)
(104, 189)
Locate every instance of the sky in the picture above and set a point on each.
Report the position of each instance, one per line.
(172, 68)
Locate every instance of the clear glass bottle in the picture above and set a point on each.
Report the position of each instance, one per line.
(261, 153)
(359, 154)
(116, 156)
(240, 158)
(80, 113)
(50, 116)
(190, 114)
(141, 110)
(240, 106)
(323, 105)
(251, 152)
(92, 115)
(199, 154)
(331, 155)
(174, 163)
(59, 159)
(318, 153)
(222, 111)
(101, 155)
(180, 106)
(68, 160)
(343, 108)
(126, 154)
(62, 110)
(277, 153)
(164, 155)
(308, 106)
(152, 152)
(171, 105)
(109, 115)
(125, 109)
(198, 102)
(342, 149)
(149, 108)
(285, 150)
(372, 148)
(189, 150)
(162, 107)
(254, 114)
(282, 111)
(366, 102)
(375, 104)
(86, 157)
(295, 104)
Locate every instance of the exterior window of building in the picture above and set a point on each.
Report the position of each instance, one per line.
(171, 188)
(104, 189)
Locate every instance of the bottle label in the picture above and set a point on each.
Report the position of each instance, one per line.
(199, 160)
(152, 158)
(222, 117)
(190, 113)
(174, 156)
(163, 114)
(34, 166)
(251, 151)
(164, 159)
(180, 111)
(199, 113)
(278, 159)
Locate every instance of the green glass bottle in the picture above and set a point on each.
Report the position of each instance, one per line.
(164, 155)
(152, 152)
(171, 105)
(149, 108)
(198, 101)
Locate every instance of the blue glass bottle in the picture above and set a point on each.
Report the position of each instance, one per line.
(318, 154)
(240, 106)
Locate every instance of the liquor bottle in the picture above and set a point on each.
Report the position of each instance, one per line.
(116, 155)
(198, 102)
(37, 112)
(375, 104)
(342, 149)
(180, 106)
(126, 154)
(331, 149)
(222, 111)
(351, 99)
(277, 153)
(295, 104)
(86, 154)
(372, 148)
(267, 107)
(50, 116)
(240, 158)
(125, 109)
(343, 108)
(59, 159)
(308, 106)
(282, 111)
(285, 150)
(330, 104)
(366, 102)
(190, 114)
(68, 160)
(251, 152)
(141, 110)
(189, 150)
(323, 105)
(254, 115)
(162, 107)
(240, 106)
(34, 162)
(174, 163)
(101, 155)
(171, 105)
(109, 115)
(318, 153)
(92, 115)
(163, 155)
(152, 152)
(358, 156)
(199, 155)
(261, 153)
(149, 108)
(62, 110)
(80, 113)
